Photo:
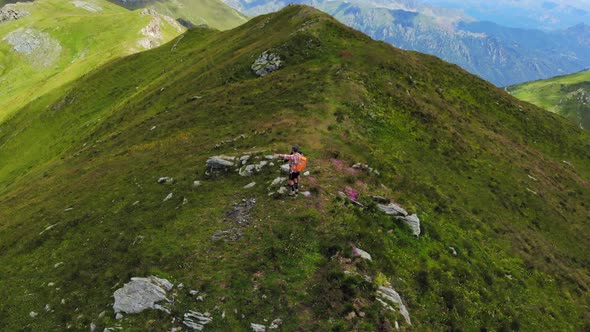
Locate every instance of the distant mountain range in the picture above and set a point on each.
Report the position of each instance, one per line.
(500, 54)
(566, 95)
(528, 14)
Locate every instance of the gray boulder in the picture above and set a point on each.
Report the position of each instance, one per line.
(140, 294)
(217, 163)
(392, 209)
(414, 222)
(165, 180)
(196, 320)
(387, 296)
(266, 64)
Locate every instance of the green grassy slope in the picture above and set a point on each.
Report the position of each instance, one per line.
(504, 183)
(86, 39)
(566, 95)
(213, 13)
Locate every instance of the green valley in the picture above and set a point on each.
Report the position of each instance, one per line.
(566, 95)
(162, 164)
(55, 42)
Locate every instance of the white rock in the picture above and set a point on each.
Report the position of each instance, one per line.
(119, 316)
(278, 181)
(92, 327)
(196, 320)
(47, 307)
(306, 173)
(285, 168)
(250, 185)
(51, 284)
(196, 183)
(275, 324)
(258, 327)
(140, 294)
(385, 294)
(101, 315)
(33, 314)
(392, 209)
(306, 193)
(414, 222)
(168, 197)
(165, 180)
(361, 253)
(58, 265)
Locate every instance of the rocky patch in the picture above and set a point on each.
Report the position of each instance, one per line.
(37, 46)
(91, 7)
(10, 13)
(399, 213)
(266, 64)
(141, 294)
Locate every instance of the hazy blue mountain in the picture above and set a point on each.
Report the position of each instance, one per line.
(545, 15)
(500, 54)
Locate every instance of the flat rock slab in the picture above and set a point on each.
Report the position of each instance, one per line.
(140, 294)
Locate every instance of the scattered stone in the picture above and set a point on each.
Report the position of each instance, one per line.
(453, 251)
(217, 163)
(180, 286)
(414, 222)
(140, 294)
(282, 191)
(200, 298)
(33, 314)
(135, 203)
(165, 180)
(258, 327)
(196, 184)
(9, 13)
(306, 194)
(48, 228)
(51, 284)
(266, 64)
(388, 294)
(47, 307)
(356, 252)
(68, 209)
(250, 185)
(532, 177)
(306, 173)
(270, 157)
(39, 47)
(278, 181)
(351, 315)
(193, 292)
(92, 327)
(275, 324)
(233, 234)
(119, 316)
(392, 209)
(285, 168)
(168, 197)
(196, 320)
(102, 314)
(532, 191)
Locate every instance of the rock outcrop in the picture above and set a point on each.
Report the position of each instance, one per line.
(266, 64)
(140, 294)
(39, 47)
(8, 13)
(399, 213)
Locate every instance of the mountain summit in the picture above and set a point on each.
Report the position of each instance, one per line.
(148, 197)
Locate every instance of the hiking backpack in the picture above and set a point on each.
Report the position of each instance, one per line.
(300, 167)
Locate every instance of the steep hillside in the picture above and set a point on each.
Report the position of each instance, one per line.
(566, 95)
(52, 42)
(499, 54)
(110, 183)
(213, 13)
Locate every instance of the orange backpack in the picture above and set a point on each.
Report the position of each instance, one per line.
(300, 167)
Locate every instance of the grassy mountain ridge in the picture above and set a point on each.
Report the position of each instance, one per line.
(213, 13)
(567, 95)
(59, 41)
(499, 54)
(484, 172)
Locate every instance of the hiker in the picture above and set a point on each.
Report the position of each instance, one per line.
(296, 165)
